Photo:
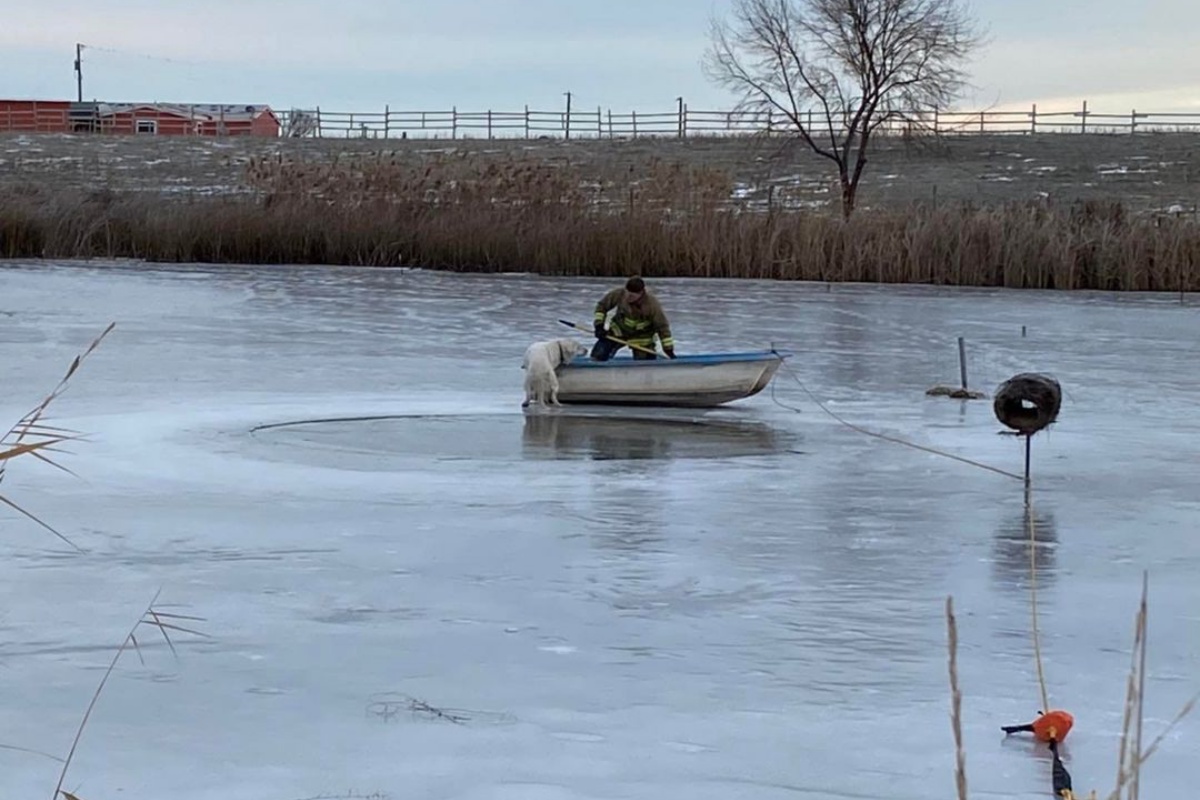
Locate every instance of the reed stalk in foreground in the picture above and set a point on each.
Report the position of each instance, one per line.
(160, 620)
(31, 436)
(960, 770)
(1131, 756)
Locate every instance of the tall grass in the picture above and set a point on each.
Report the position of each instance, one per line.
(466, 212)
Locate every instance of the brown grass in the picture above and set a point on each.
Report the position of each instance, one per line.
(466, 212)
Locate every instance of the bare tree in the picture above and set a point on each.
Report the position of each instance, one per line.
(839, 70)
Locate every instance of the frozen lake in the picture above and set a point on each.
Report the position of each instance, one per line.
(746, 602)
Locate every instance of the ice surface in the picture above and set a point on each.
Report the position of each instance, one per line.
(746, 602)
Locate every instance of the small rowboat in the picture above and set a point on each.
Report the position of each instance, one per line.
(697, 381)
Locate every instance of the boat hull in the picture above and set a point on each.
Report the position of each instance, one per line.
(699, 381)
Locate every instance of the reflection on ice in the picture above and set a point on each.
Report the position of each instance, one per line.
(1010, 562)
(629, 438)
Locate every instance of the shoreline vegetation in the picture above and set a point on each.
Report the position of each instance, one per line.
(515, 210)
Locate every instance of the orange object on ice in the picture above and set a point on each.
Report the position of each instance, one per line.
(1053, 725)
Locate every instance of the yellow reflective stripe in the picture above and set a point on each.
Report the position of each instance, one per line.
(599, 316)
(668, 342)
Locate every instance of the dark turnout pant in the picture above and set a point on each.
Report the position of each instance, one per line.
(604, 349)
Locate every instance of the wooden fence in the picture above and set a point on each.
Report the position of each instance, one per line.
(680, 122)
(684, 122)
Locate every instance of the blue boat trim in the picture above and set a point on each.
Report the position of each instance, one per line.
(704, 359)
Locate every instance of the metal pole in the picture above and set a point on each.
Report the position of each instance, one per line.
(1028, 441)
(962, 362)
(79, 71)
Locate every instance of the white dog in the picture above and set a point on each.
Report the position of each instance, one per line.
(541, 363)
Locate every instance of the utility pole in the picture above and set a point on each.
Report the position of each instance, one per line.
(79, 70)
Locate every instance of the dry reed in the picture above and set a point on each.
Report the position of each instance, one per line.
(960, 770)
(31, 436)
(467, 212)
(1131, 756)
(162, 621)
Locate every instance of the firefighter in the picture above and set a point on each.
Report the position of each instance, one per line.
(638, 319)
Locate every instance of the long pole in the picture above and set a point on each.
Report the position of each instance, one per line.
(1028, 441)
(79, 71)
(612, 338)
(962, 362)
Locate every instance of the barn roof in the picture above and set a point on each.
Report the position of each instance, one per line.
(199, 111)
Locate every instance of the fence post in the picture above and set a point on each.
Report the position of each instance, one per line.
(453, 122)
(981, 118)
(387, 118)
(1033, 119)
(1083, 120)
(320, 134)
(935, 120)
(1133, 121)
(599, 122)
(567, 118)
(610, 128)
(526, 120)
(635, 124)
(769, 125)
(680, 123)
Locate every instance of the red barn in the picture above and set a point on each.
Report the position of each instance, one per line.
(173, 119)
(162, 119)
(34, 116)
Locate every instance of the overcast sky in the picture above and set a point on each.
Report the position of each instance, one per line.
(357, 55)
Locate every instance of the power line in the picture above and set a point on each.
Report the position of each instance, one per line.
(145, 56)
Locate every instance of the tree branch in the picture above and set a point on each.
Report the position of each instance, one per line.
(862, 63)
